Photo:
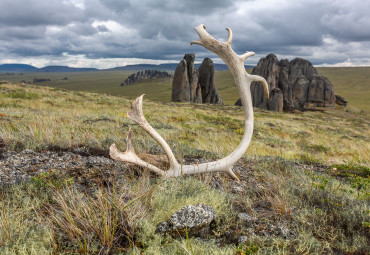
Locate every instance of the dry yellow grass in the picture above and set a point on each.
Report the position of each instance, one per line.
(41, 117)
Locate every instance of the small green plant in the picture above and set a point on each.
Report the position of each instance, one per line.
(52, 180)
(246, 249)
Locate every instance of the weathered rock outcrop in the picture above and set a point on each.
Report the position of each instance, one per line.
(340, 100)
(190, 85)
(207, 83)
(40, 80)
(145, 74)
(293, 85)
(180, 83)
(275, 102)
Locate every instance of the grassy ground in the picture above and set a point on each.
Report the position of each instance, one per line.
(308, 172)
(353, 83)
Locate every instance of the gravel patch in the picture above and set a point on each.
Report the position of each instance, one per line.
(19, 166)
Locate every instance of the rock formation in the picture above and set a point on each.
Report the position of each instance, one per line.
(293, 85)
(143, 75)
(190, 85)
(207, 83)
(180, 83)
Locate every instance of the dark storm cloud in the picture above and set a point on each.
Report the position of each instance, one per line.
(321, 31)
(37, 12)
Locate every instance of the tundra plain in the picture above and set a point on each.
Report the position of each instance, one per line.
(304, 172)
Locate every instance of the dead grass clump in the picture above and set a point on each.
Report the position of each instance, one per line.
(102, 222)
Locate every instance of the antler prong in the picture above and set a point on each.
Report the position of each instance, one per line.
(131, 157)
(136, 113)
(196, 42)
(229, 36)
(246, 55)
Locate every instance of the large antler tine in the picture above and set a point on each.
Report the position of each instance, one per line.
(136, 114)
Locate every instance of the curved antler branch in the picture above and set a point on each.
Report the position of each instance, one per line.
(136, 114)
(242, 80)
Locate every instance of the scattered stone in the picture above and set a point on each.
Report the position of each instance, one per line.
(19, 166)
(245, 217)
(286, 233)
(195, 219)
(242, 239)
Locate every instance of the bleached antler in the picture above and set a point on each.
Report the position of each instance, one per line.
(242, 80)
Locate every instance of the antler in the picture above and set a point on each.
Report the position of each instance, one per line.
(242, 80)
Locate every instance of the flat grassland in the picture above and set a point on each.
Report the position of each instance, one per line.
(352, 83)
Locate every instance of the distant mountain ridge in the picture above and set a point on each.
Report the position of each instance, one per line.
(19, 68)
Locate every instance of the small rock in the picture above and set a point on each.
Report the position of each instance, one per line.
(242, 239)
(196, 219)
(246, 218)
(27, 151)
(285, 232)
(237, 189)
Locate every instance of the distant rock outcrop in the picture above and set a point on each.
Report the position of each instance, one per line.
(293, 85)
(144, 75)
(190, 85)
(40, 80)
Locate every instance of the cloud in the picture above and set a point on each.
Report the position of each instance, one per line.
(324, 32)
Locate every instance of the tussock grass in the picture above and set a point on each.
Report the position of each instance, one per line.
(20, 231)
(102, 222)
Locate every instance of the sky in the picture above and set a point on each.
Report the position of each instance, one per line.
(110, 33)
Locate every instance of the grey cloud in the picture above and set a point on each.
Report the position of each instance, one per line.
(154, 29)
(37, 12)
